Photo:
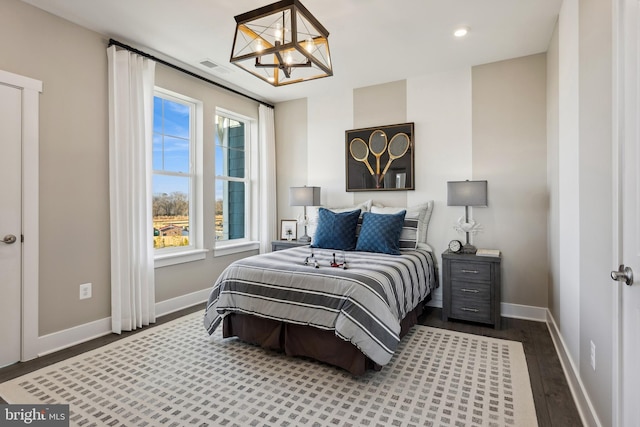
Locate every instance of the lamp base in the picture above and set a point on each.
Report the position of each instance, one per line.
(304, 239)
(468, 249)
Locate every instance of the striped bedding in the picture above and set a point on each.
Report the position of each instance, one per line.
(363, 304)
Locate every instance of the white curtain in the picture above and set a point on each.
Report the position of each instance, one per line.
(131, 83)
(267, 152)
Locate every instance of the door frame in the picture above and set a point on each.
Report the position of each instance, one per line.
(31, 90)
(622, 30)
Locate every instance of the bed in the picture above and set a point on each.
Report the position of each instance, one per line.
(352, 318)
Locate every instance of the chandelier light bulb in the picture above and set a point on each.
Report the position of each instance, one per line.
(288, 59)
(278, 32)
(259, 45)
(309, 47)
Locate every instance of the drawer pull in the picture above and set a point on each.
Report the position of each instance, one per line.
(470, 271)
(474, 310)
(473, 291)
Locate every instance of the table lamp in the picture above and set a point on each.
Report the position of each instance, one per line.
(304, 196)
(467, 193)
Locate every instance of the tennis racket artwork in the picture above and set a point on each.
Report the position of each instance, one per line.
(360, 151)
(388, 145)
(377, 146)
(397, 148)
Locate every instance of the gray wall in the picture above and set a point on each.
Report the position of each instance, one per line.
(596, 238)
(506, 144)
(290, 125)
(74, 150)
(585, 33)
(74, 171)
(553, 134)
(384, 104)
(509, 151)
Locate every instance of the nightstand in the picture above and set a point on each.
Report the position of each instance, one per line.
(471, 288)
(278, 245)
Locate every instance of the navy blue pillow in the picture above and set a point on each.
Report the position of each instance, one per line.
(381, 233)
(336, 230)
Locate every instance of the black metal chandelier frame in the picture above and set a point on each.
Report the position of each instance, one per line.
(281, 49)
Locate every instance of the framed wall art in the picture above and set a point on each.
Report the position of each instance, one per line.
(380, 158)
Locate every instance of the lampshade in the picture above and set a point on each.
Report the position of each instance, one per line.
(281, 43)
(304, 196)
(467, 193)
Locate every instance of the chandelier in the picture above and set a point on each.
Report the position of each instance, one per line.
(281, 43)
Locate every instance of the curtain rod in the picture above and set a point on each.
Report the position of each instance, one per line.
(182, 70)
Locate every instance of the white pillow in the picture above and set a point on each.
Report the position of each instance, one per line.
(421, 212)
(312, 214)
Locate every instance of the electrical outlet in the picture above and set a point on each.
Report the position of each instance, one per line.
(85, 291)
(593, 355)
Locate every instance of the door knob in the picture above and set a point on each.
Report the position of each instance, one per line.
(624, 274)
(9, 239)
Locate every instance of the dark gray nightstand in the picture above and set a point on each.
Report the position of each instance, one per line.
(471, 288)
(278, 245)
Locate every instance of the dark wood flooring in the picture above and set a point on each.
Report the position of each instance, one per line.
(554, 404)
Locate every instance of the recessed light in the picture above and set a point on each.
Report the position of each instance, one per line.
(461, 32)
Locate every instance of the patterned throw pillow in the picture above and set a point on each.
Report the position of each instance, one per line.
(421, 213)
(336, 230)
(381, 233)
(409, 234)
(312, 213)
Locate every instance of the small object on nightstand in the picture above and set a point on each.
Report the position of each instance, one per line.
(488, 252)
(455, 246)
(471, 288)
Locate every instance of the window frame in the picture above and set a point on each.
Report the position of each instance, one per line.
(195, 250)
(250, 240)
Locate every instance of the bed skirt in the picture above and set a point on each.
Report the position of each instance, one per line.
(307, 341)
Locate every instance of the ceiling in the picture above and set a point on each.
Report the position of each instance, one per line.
(371, 41)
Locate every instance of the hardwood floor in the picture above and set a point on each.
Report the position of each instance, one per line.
(554, 404)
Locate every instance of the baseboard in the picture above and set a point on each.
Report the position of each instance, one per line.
(77, 335)
(526, 312)
(183, 301)
(60, 340)
(580, 396)
(515, 311)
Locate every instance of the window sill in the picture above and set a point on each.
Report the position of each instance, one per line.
(235, 248)
(166, 260)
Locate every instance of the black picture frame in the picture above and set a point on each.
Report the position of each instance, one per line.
(399, 175)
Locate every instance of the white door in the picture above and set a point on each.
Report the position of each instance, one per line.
(10, 224)
(629, 166)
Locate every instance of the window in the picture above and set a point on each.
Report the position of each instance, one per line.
(232, 179)
(175, 170)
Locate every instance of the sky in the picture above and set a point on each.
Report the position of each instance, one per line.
(171, 133)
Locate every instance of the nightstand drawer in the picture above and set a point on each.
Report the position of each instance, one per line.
(468, 310)
(471, 291)
(471, 301)
(470, 271)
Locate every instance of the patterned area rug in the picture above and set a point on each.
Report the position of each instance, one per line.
(174, 375)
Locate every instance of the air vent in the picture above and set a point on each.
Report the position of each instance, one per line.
(209, 63)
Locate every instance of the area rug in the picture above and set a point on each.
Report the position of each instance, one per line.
(175, 375)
